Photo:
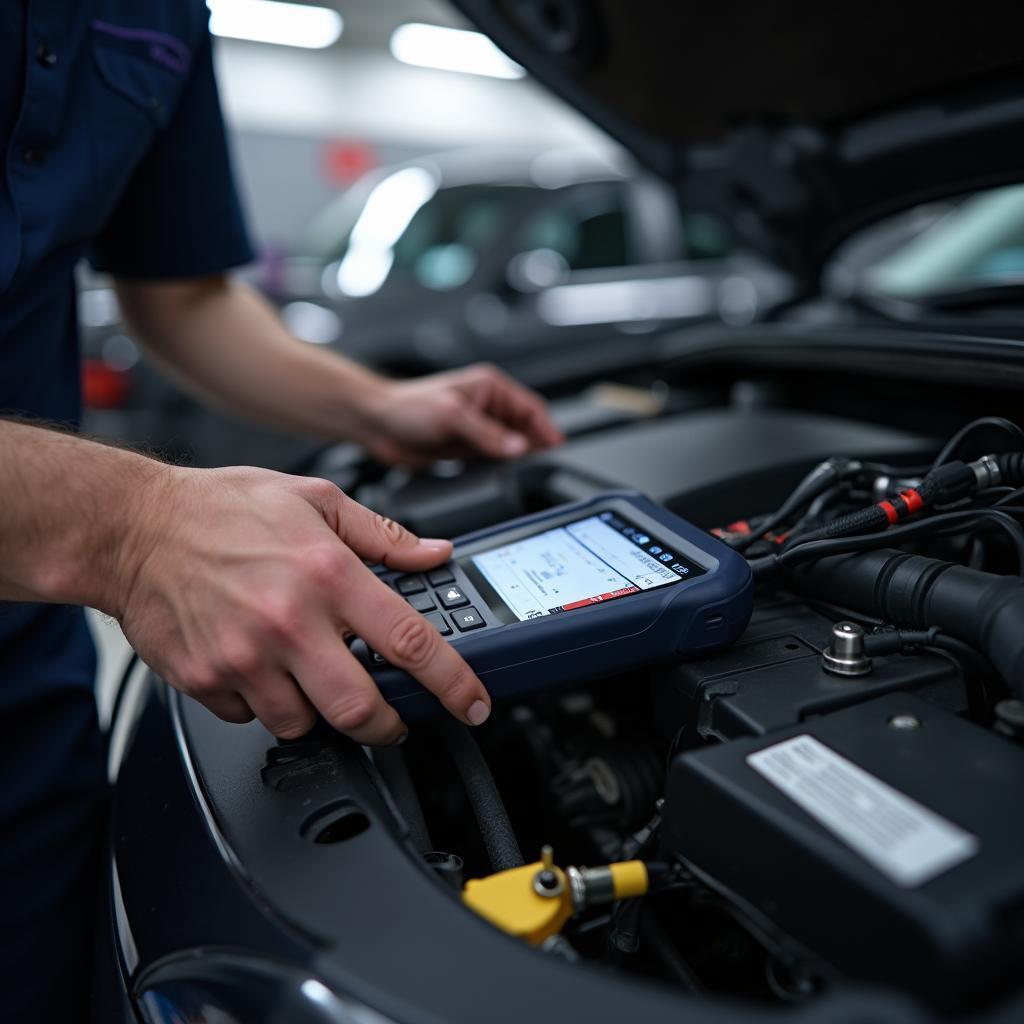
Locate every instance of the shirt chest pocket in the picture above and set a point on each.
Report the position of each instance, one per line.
(138, 77)
(145, 67)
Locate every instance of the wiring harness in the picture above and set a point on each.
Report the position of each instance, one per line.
(842, 536)
(894, 505)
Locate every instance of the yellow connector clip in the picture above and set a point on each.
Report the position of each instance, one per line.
(534, 901)
(531, 902)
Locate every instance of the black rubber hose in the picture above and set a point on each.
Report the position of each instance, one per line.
(979, 608)
(394, 771)
(1011, 468)
(657, 940)
(492, 818)
(624, 938)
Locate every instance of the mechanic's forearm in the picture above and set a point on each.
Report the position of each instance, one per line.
(67, 512)
(222, 339)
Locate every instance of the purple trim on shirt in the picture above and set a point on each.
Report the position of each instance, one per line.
(167, 51)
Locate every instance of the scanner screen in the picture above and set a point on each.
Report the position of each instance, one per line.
(600, 558)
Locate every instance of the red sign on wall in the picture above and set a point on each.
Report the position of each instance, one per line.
(345, 161)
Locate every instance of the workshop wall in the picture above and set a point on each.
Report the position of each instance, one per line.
(285, 104)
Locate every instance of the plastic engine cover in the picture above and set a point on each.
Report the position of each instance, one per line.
(885, 837)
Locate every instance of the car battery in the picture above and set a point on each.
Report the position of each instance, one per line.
(885, 837)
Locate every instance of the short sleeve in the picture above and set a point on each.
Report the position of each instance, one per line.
(180, 215)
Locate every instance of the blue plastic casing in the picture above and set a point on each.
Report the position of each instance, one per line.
(690, 617)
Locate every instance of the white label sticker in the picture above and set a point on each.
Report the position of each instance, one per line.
(904, 840)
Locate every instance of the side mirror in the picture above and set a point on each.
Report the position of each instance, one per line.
(533, 271)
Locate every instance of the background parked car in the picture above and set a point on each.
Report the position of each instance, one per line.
(527, 260)
(503, 255)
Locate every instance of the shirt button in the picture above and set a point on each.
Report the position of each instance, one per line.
(32, 156)
(46, 56)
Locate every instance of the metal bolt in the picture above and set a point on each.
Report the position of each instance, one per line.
(845, 655)
(905, 722)
(1009, 719)
(547, 882)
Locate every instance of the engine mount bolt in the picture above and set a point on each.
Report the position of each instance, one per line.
(1009, 719)
(845, 655)
(905, 722)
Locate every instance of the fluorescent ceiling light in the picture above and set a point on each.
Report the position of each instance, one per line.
(451, 49)
(271, 21)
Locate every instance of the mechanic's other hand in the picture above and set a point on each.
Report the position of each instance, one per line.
(475, 411)
(238, 586)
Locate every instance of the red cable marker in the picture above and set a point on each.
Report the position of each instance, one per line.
(913, 500)
(906, 504)
(890, 511)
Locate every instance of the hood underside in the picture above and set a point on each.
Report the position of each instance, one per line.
(796, 122)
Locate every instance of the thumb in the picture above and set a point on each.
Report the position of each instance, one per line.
(488, 435)
(381, 540)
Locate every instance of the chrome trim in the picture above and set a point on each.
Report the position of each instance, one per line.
(127, 950)
(173, 700)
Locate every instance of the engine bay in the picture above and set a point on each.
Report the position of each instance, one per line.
(766, 903)
(825, 810)
(585, 773)
(817, 823)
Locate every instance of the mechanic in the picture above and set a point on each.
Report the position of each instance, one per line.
(236, 585)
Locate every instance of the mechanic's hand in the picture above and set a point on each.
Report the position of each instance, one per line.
(475, 411)
(239, 585)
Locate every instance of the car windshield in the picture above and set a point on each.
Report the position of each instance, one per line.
(969, 249)
(405, 226)
(449, 233)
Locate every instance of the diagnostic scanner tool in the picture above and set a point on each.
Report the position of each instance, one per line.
(580, 591)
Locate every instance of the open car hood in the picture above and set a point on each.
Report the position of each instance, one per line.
(795, 123)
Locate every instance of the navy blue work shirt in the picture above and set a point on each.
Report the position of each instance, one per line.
(113, 148)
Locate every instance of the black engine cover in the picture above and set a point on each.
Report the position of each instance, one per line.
(773, 678)
(954, 932)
